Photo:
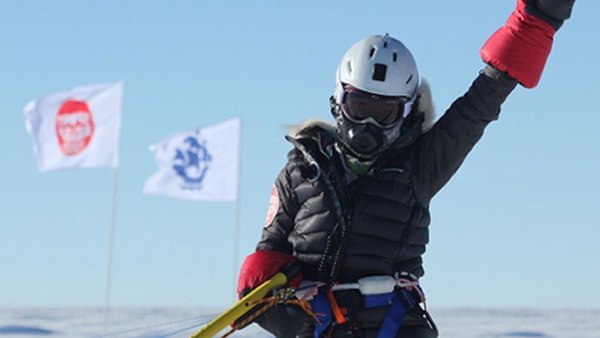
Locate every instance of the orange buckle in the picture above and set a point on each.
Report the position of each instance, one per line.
(338, 312)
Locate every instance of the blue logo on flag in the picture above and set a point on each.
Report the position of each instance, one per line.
(191, 163)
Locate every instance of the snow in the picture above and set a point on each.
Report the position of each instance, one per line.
(157, 322)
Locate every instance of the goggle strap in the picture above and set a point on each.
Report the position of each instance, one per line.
(339, 89)
(408, 106)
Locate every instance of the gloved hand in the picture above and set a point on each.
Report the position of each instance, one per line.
(260, 266)
(521, 47)
(555, 12)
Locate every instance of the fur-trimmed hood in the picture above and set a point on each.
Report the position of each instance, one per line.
(424, 104)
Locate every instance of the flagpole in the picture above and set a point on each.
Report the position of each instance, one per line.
(111, 245)
(236, 236)
(236, 244)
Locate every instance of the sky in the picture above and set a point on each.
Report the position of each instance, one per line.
(517, 226)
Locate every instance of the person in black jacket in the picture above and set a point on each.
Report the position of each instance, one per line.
(352, 202)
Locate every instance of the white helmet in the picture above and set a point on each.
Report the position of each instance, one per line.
(385, 72)
(380, 65)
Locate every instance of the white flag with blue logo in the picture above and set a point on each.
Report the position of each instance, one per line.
(200, 164)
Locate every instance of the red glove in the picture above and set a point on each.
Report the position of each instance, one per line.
(260, 266)
(521, 47)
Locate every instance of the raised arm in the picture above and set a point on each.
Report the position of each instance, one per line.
(517, 52)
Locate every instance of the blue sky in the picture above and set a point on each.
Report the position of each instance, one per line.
(517, 226)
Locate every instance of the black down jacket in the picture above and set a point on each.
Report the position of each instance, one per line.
(344, 226)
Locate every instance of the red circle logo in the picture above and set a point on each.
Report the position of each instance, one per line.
(74, 127)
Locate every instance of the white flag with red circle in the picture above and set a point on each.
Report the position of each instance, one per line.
(78, 128)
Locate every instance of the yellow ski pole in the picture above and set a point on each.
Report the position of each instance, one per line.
(247, 302)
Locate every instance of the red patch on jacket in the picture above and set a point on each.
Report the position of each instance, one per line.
(273, 206)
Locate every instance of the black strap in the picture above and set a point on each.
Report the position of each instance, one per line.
(330, 264)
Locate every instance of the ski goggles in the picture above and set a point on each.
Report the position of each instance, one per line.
(385, 111)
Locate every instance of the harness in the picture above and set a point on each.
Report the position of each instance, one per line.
(399, 294)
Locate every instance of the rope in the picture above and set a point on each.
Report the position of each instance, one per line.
(265, 304)
(268, 303)
(164, 329)
(182, 325)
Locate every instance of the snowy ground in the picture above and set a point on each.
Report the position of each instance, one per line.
(157, 322)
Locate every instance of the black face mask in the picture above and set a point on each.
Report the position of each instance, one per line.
(363, 140)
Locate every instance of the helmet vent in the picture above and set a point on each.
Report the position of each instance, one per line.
(409, 78)
(372, 52)
(385, 44)
(379, 72)
(394, 56)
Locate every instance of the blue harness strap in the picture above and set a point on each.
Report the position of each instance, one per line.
(396, 312)
(322, 309)
(398, 301)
